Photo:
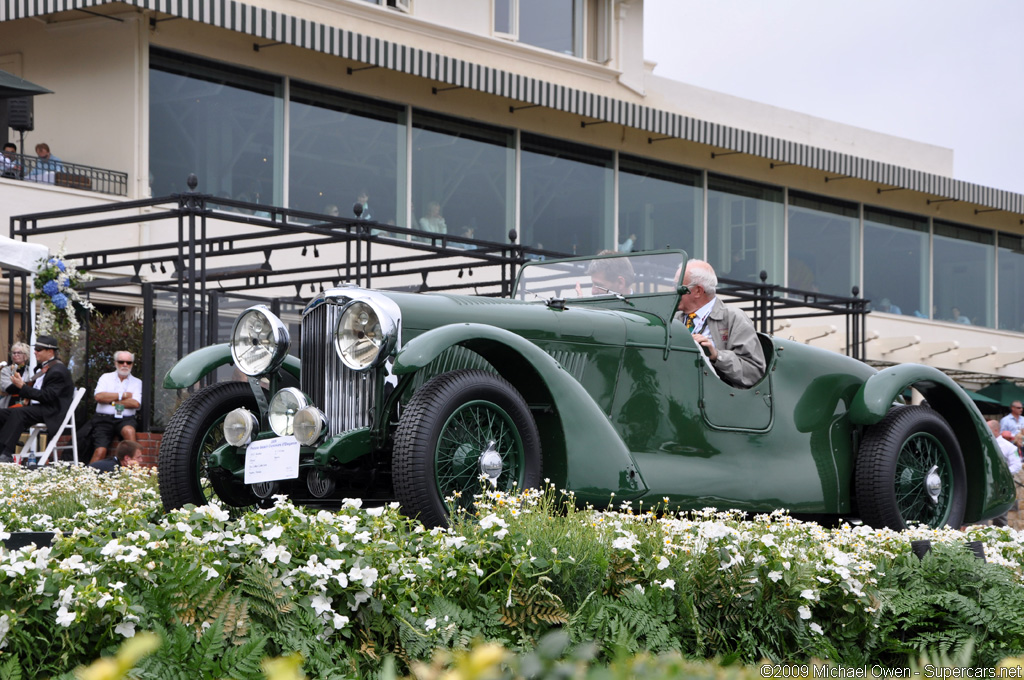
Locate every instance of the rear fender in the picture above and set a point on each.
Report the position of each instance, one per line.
(591, 459)
(989, 484)
(194, 366)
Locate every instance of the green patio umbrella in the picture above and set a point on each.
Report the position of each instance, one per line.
(1004, 391)
(13, 86)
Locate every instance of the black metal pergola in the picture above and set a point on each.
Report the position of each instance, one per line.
(201, 252)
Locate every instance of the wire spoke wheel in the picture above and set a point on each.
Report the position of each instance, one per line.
(461, 433)
(479, 437)
(910, 470)
(923, 480)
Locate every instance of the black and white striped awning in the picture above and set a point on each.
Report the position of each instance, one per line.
(283, 28)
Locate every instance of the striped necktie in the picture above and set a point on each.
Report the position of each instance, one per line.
(690, 323)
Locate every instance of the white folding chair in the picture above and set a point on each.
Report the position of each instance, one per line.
(32, 443)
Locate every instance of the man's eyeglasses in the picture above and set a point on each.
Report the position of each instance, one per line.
(127, 363)
(18, 354)
(598, 290)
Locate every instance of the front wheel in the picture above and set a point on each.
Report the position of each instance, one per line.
(910, 470)
(461, 431)
(193, 433)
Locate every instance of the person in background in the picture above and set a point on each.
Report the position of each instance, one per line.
(886, 305)
(611, 275)
(726, 335)
(50, 396)
(958, 317)
(628, 245)
(363, 199)
(127, 453)
(118, 395)
(9, 166)
(1013, 422)
(331, 210)
(47, 165)
(1012, 459)
(18, 364)
(433, 221)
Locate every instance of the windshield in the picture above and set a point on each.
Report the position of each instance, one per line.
(612, 275)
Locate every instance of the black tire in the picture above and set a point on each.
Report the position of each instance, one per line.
(447, 425)
(192, 434)
(910, 470)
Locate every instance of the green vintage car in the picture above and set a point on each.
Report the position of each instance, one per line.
(428, 398)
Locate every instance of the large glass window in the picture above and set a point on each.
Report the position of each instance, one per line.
(468, 172)
(896, 271)
(220, 122)
(745, 229)
(555, 25)
(823, 244)
(964, 278)
(346, 149)
(660, 206)
(566, 196)
(1011, 282)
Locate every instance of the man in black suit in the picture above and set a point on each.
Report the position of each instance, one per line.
(50, 394)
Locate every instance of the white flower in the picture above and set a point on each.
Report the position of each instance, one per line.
(640, 588)
(669, 584)
(362, 537)
(104, 599)
(340, 621)
(355, 503)
(663, 562)
(211, 573)
(430, 624)
(775, 575)
(804, 611)
(273, 533)
(125, 628)
(807, 594)
(768, 540)
(64, 617)
(454, 541)
(816, 629)
(375, 512)
(321, 604)
(5, 627)
(274, 552)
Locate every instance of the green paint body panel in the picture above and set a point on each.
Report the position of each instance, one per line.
(195, 365)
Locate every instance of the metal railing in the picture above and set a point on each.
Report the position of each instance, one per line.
(63, 174)
(187, 262)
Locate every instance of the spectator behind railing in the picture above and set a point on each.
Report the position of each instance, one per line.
(47, 166)
(9, 165)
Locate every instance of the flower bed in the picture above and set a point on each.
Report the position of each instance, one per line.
(348, 589)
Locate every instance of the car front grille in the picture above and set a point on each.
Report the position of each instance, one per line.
(345, 396)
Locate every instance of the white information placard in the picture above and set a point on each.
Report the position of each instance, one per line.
(267, 460)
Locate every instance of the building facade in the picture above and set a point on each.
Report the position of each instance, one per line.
(484, 117)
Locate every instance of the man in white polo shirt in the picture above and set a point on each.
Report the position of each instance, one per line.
(118, 395)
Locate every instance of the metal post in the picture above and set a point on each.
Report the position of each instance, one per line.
(148, 355)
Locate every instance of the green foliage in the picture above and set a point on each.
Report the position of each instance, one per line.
(950, 601)
(351, 588)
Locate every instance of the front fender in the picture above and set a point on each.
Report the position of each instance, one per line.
(195, 365)
(591, 456)
(990, 488)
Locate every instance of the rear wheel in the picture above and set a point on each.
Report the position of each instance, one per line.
(457, 429)
(910, 470)
(193, 433)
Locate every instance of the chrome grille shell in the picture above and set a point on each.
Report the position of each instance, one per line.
(348, 398)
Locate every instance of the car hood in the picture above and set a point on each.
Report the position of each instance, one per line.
(531, 320)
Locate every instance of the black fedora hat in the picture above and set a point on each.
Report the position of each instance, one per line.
(46, 342)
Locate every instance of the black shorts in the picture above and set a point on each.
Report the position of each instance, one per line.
(104, 427)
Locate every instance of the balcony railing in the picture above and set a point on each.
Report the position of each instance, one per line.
(63, 174)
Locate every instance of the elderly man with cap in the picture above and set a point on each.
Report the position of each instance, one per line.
(50, 393)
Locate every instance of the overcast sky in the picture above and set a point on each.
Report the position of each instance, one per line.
(945, 72)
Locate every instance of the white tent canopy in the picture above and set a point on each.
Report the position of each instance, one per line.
(21, 256)
(24, 257)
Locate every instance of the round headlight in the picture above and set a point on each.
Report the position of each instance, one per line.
(259, 341)
(282, 410)
(363, 336)
(309, 424)
(239, 426)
